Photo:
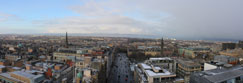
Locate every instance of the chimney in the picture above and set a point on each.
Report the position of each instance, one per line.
(28, 67)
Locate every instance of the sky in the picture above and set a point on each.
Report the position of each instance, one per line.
(198, 19)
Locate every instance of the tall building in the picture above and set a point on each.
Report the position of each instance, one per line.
(145, 73)
(226, 46)
(164, 62)
(152, 51)
(21, 77)
(193, 52)
(162, 47)
(156, 70)
(185, 67)
(240, 44)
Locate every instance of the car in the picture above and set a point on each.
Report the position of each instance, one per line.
(126, 79)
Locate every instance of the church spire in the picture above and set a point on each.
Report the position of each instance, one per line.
(162, 46)
(66, 40)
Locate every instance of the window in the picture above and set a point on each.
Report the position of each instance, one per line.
(156, 79)
(162, 79)
(237, 78)
(166, 78)
(224, 82)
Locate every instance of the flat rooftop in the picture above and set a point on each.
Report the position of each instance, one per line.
(145, 66)
(219, 75)
(20, 73)
(24, 74)
(1, 66)
(188, 63)
(164, 58)
(149, 71)
(152, 73)
(7, 75)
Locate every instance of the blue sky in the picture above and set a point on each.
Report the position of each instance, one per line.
(169, 18)
(32, 9)
(29, 10)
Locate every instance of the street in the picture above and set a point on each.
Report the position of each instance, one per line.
(121, 71)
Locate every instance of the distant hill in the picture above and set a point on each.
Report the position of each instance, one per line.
(129, 36)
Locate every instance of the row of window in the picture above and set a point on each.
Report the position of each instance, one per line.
(3, 81)
(163, 79)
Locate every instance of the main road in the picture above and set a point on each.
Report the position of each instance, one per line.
(121, 72)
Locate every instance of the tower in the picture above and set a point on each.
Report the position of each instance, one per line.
(66, 40)
(162, 47)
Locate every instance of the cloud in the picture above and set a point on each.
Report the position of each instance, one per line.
(92, 8)
(97, 18)
(11, 23)
(111, 24)
(171, 18)
(190, 18)
(6, 17)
